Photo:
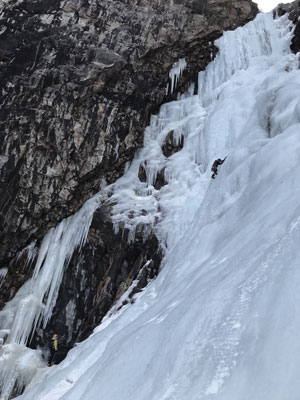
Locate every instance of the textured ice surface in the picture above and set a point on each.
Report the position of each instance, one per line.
(18, 365)
(222, 320)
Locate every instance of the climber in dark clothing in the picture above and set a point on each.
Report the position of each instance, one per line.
(53, 349)
(76, 17)
(215, 165)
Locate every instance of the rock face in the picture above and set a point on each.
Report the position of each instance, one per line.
(79, 80)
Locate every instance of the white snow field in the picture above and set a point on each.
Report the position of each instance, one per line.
(222, 319)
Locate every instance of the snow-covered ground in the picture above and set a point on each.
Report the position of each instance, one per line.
(222, 319)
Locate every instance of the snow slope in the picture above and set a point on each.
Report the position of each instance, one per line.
(222, 319)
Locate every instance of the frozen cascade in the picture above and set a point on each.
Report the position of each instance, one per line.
(255, 39)
(34, 302)
(222, 318)
(192, 119)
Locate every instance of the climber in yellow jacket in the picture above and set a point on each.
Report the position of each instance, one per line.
(53, 349)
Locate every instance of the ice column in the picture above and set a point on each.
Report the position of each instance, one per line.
(176, 72)
(34, 302)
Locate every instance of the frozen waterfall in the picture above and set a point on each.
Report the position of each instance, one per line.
(222, 320)
(209, 125)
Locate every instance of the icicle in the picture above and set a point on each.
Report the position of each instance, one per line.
(176, 72)
(31, 251)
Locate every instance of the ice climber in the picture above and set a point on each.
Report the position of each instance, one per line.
(215, 165)
(53, 349)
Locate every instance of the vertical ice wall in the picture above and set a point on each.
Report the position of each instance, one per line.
(205, 139)
(33, 304)
(237, 49)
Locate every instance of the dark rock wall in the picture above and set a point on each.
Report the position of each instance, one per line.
(79, 80)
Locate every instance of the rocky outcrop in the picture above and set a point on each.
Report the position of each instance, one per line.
(79, 81)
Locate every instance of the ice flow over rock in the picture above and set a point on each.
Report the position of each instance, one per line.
(33, 304)
(222, 319)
